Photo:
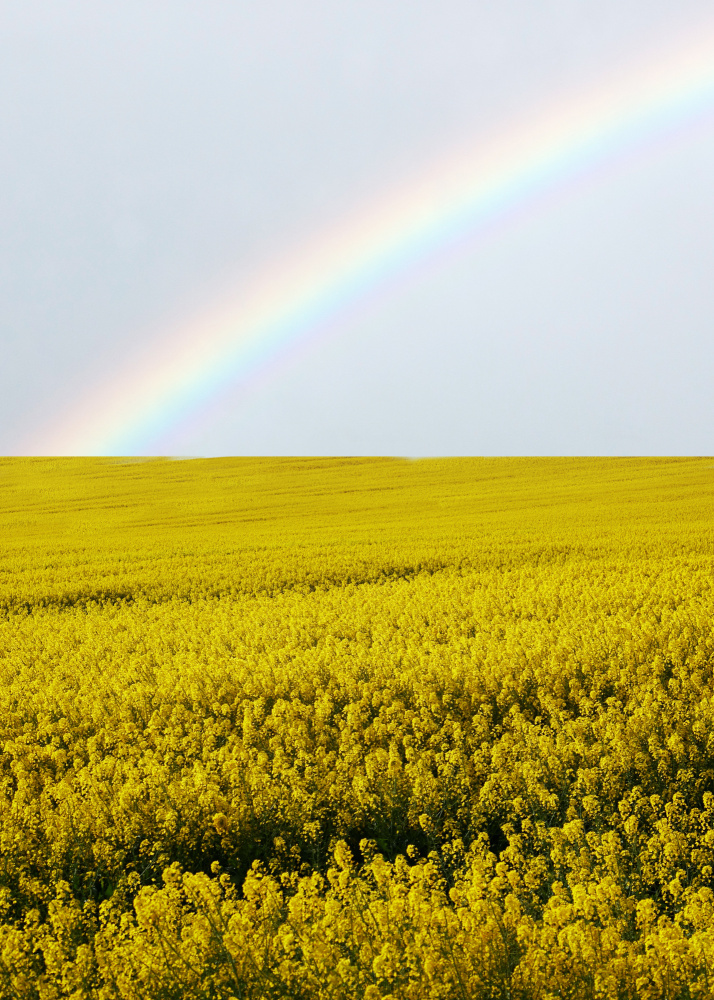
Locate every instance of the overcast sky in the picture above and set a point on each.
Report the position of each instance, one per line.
(156, 153)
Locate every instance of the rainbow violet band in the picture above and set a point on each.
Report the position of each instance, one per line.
(465, 197)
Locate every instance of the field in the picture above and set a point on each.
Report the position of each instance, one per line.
(357, 729)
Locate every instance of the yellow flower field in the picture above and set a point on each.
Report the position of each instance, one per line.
(357, 729)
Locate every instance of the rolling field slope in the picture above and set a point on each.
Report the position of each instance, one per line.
(357, 728)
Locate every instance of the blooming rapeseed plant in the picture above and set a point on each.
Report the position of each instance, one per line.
(363, 729)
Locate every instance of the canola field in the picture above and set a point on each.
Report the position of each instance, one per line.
(361, 729)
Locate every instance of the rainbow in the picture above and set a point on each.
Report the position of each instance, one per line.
(464, 197)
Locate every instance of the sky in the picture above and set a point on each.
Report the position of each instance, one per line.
(161, 157)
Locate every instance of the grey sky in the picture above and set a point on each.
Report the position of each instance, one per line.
(154, 152)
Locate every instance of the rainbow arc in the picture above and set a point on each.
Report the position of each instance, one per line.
(463, 197)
